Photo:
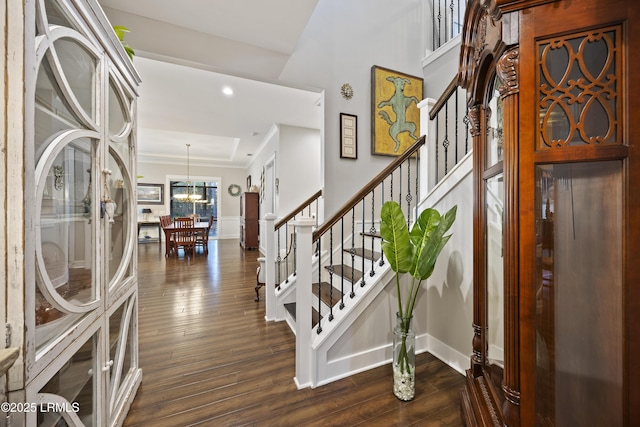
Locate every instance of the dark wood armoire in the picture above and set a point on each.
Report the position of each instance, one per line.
(249, 220)
(554, 100)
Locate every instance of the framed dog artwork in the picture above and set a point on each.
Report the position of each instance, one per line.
(395, 117)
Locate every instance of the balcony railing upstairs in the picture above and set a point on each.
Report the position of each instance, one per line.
(447, 18)
(450, 137)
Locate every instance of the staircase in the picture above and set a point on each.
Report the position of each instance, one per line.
(335, 293)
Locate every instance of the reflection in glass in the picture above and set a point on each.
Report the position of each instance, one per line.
(74, 383)
(117, 329)
(52, 114)
(67, 240)
(117, 111)
(579, 310)
(495, 129)
(79, 68)
(118, 231)
(495, 271)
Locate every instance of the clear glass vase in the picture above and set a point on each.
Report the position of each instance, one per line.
(404, 359)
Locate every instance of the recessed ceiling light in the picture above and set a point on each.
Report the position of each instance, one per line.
(255, 133)
(227, 91)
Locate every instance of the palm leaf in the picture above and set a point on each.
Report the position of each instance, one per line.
(396, 244)
(429, 231)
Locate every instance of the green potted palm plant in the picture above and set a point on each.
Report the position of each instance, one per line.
(414, 253)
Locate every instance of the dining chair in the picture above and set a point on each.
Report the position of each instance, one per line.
(203, 238)
(165, 221)
(185, 236)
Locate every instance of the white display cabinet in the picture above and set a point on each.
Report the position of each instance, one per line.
(78, 331)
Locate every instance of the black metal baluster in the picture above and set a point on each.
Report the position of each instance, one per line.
(279, 260)
(437, 147)
(295, 253)
(445, 143)
(352, 251)
(456, 124)
(466, 121)
(400, 185)
(409, 197)
(286, 251)
(331, 275)
(362, 281)
(342, 261)
(439, 23)
(451, 9)
(372, 230)
(381, 263)
(417, 182)
(319, 293)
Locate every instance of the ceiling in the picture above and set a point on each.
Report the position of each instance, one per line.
(181, 96)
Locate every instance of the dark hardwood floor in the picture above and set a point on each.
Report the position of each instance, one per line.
(210, 359)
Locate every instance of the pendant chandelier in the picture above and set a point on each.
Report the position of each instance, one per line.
(187, 196)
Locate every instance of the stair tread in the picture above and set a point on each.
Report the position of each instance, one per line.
(346, 272)
(374, 235)
(325, 293)
(315, 316)
(364, 253)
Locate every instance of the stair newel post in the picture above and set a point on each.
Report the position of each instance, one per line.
(270, 269)
(304, 298)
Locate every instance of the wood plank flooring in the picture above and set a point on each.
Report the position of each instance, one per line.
(209, 358)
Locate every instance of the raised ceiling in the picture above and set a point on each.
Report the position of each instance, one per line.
(188, 51)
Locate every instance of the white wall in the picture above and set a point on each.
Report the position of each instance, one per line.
(448, 306)
(298, 166)
(297, 153)
(340, 44)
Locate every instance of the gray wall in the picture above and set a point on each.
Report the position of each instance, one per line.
(340, 44)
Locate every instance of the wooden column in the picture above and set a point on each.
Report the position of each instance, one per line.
(507, 70)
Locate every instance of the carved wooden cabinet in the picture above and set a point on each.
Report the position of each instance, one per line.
(554, 97)
(249, 219)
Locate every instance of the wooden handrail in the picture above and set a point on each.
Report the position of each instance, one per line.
(444, 98)
(367, 189)
(297, 210)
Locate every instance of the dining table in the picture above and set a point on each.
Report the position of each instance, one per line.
(169, 230)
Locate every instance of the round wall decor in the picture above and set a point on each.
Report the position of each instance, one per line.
(346, 91)
(234, 190)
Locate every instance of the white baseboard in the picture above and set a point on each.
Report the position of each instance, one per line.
(452, 357)
(228, 227)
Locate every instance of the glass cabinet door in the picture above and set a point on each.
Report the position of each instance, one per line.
(494, 189)
(85, 288)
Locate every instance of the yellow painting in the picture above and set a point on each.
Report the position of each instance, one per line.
(395, 115)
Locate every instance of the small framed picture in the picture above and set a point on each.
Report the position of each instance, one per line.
(348, 136)
(249, 183)
(151, 194)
